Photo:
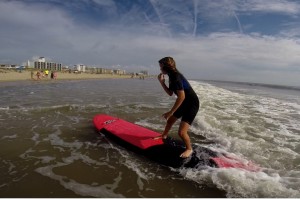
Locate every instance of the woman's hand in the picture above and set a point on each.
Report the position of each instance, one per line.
(161, 78)
(167, 115)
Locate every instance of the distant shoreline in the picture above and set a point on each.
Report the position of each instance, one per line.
(8, 76)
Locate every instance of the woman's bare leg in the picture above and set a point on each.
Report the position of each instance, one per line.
(168, 126)
(183, 133)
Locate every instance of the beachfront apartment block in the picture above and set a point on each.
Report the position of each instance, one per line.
(119, 72)
(41, 64)
(8, 66)
(99, 70)
(80, 68)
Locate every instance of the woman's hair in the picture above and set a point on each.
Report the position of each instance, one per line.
(168, 64)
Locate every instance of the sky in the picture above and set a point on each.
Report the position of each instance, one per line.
(231, 40)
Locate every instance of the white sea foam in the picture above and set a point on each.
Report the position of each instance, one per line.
(262, 129)
(241, 183)
(133, 164)
(147, 124)
(10, 136)
(79, 188)
(46, 159)
(4, 108)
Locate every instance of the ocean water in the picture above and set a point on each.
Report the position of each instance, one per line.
(49, 147)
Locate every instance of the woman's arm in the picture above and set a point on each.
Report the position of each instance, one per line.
(161, 79)
(178, 102)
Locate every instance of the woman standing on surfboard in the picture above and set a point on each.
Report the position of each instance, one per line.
(186, 105)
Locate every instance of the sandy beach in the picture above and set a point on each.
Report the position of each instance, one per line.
(6, 75)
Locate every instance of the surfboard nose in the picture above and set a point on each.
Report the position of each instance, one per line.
(129, 132)
(101, 120)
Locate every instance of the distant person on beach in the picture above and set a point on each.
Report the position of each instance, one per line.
(32, 74)
(46, 73)
(38, 75)
(186, 105)
(55, 75)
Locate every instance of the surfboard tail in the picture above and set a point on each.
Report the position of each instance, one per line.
(226, 162)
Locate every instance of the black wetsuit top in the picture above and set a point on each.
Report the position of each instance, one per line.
(190, 106)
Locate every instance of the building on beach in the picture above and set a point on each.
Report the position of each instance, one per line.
(80, 68)
(8, 66)
(119, 72)
(105, 71)
(42, 64)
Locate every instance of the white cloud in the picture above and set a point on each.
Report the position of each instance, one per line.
(233, 56)
(50, 32)
(271, 6)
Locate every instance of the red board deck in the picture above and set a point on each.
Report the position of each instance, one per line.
(129, 132)
(166, 151)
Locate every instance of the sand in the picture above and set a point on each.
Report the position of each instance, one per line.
(6, 75)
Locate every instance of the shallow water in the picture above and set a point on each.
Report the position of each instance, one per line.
(51, 149)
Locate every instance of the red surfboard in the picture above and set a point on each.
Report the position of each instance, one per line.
(165, 151)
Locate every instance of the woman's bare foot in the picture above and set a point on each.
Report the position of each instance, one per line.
(160, 137)
(186, 153)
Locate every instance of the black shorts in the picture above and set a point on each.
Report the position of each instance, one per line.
(188, 110)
